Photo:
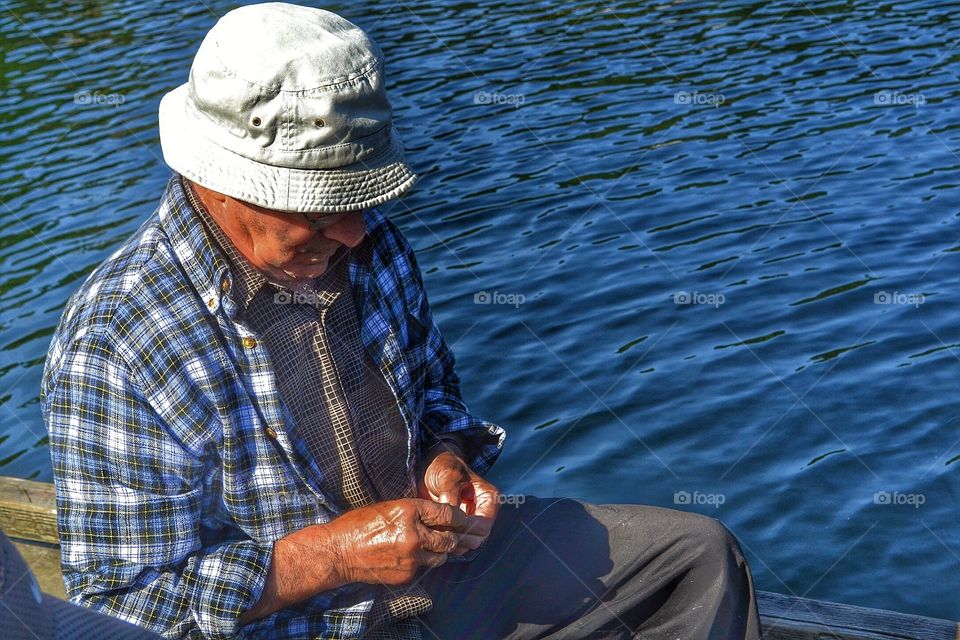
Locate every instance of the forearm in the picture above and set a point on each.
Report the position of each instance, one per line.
(303, 564)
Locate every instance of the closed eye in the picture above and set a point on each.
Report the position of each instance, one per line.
(318, 221)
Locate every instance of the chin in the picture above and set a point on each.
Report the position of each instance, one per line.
(299, 272)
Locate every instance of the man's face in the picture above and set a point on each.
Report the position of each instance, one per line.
(288, 247)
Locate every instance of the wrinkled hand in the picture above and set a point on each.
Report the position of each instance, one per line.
(387, 542)
(447, 479)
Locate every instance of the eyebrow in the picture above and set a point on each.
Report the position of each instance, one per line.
(313, 219)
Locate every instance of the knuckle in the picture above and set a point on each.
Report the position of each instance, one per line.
(450, 543)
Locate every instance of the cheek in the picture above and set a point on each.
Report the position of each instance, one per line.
(286, 237)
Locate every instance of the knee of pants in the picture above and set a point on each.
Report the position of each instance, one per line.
(711, 542)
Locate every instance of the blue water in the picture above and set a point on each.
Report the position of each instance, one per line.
(791, 169)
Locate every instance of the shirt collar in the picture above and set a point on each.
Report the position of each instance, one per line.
(201, 261)
(248, 279)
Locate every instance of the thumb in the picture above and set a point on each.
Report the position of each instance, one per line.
(449, 497)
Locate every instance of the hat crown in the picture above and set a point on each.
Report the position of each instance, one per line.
(291, 86)
(290, 47)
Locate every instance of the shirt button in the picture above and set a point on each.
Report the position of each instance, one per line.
(249, 342)
(224, 285)
(270, 433)
(211, 303)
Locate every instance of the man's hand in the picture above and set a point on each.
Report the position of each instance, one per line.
(382, 543)
(387, 542)
(447, 479)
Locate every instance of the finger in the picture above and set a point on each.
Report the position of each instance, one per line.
(478, 526)
(448, 488)
(445, 479)
(488, 500)
(441, 516)
(438, 541)
(449, 497)
(486, 509)
(470, 541)
(430, 559)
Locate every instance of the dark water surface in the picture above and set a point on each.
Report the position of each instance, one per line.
(788, 168)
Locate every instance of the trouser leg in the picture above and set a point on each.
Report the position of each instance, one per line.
(564, 569)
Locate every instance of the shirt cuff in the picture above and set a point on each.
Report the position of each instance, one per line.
(452, 442)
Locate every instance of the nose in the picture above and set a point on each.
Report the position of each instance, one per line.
(349, 230)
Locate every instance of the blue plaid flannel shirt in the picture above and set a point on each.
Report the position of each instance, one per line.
(174, 466)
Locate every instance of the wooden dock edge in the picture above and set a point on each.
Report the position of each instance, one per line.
(792, 618)
(28, 512)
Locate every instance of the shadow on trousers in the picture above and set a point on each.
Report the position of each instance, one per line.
(560, 568)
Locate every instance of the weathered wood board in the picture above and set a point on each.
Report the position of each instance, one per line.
(791, 618)
(28, 510)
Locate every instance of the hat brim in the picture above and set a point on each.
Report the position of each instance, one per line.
(359, 186)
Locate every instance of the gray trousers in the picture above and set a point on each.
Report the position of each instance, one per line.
(559, 568)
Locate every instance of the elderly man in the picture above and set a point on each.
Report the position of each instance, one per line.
(256, 426)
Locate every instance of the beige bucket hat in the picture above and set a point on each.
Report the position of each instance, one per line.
(285, 107)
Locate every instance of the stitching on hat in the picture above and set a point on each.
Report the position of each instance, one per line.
(350, 185)
(333, 84)
(331, 148)
(356, 80)
(287, 116)
(291, 107)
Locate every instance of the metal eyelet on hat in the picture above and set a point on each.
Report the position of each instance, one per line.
(256, 122)
(319, 122)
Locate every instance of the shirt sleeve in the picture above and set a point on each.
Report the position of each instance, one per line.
(129, 503)
(445, 416)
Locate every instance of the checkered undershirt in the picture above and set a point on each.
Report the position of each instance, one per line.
(341, 403)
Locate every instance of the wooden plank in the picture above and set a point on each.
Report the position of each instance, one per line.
(28, 510)
(44, 562)
(790, 618)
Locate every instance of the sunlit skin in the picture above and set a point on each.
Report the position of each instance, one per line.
(290, 248)
(385, 542)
